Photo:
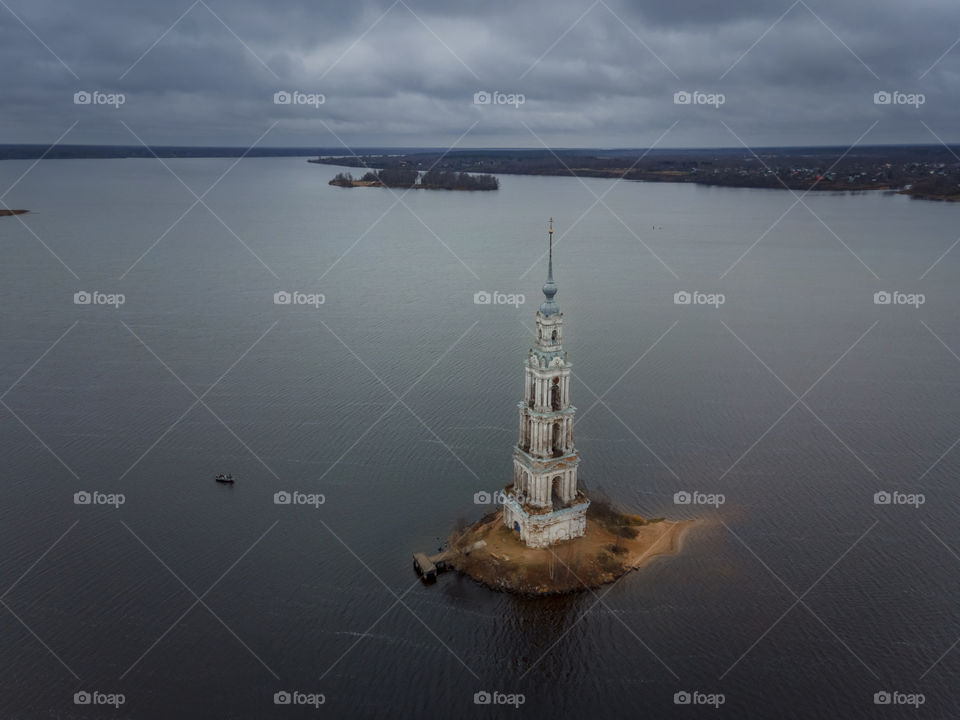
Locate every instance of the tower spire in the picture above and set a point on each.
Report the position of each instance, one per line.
(549, 307)
(550, 263)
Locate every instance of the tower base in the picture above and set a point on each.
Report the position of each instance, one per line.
(544, 529)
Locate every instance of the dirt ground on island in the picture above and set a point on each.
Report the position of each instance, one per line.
(603, 554)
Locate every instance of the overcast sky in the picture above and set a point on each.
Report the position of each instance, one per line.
(593, 74)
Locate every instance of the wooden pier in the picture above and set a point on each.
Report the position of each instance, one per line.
(429, 566)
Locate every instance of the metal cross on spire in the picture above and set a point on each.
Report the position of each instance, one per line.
(550, 264)
(551, 240)
(549, 307)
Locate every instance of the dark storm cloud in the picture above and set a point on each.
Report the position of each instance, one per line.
(593, 74)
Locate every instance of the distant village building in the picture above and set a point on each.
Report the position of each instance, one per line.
(544, 504)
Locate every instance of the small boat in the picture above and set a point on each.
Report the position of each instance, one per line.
(221, 478)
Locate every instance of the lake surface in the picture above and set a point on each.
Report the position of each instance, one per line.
(303, 398)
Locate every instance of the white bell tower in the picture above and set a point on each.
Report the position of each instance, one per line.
(544, 503)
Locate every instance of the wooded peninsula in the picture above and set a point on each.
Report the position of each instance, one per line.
(410, 178)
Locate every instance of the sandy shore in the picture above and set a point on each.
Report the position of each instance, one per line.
(602, 555)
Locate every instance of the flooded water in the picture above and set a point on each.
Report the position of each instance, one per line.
(796, 399)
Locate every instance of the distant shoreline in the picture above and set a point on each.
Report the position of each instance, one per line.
(418, 186)
(927, 173)
(7, 213)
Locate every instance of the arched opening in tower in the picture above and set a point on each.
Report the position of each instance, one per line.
(555, 493)
(557, 444)
(555, 394)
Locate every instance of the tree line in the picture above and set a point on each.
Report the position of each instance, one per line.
(451, 180)
(409, 178)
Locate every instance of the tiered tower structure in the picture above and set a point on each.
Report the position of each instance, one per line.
(544, 504)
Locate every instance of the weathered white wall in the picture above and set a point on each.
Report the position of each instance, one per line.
(544, 530)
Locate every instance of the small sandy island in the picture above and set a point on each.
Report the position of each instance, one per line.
(5, 213)
(614, 544)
